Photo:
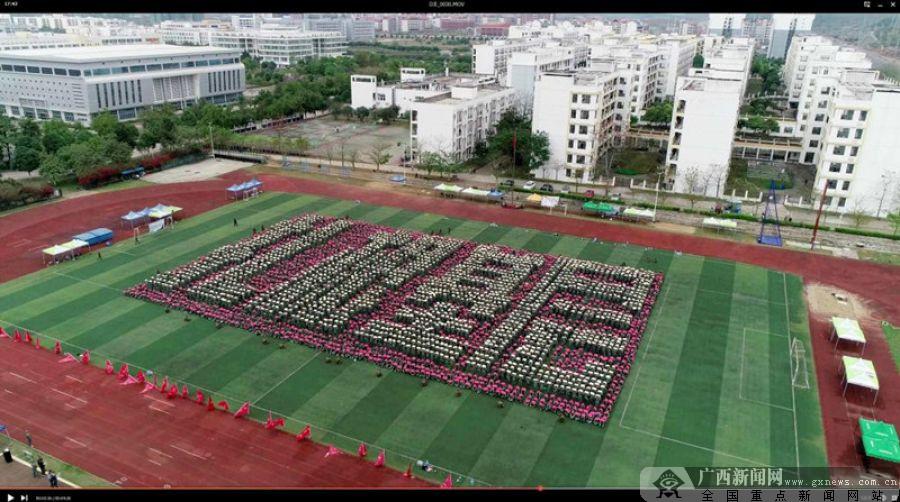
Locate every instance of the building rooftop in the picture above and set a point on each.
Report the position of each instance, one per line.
(481, 91)
(103, 53)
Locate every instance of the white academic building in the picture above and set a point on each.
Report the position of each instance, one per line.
(492, 58)
(524, 68)
(76, 84)
(452, 123)
(784, 28)
(283, 47)
(582, 113)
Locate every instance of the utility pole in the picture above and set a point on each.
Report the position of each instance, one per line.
(212, 147)
(812, 243)
(656, 200)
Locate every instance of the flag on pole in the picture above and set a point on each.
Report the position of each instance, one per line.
(379, 460)
(199, 397)
(165, 386)
(244, 410)
(57, 349)
(184, 392)
(273, 424)
(408, 472)
(362, 451)
(140, 378)
(86, 357)
(109, 368)
(304, 434)
(154, 381)
(448, 482)
(27, 337)
(37, 343)
(332, 451)
(17, 337)
(210, 406)
(69, 358)
(123, 372)
(3, 333)
(223, 404)
(173, 392)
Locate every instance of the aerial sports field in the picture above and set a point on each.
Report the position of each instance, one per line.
(711, 383)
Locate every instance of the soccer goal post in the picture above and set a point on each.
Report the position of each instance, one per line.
(799, 370)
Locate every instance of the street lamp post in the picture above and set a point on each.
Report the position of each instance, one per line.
(212, 147)
(656, 200)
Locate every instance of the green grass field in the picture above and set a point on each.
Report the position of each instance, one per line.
(711, 385)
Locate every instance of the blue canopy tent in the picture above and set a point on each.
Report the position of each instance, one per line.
(95, 236)
(495, 194)
(398, 178)
(243, 190)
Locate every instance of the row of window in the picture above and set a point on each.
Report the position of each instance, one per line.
(63, 72)
(835, 167)
(112, 94)
(223, 81)
(38, 113)
(833, 185)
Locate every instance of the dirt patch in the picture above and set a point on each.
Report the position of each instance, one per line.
(827, 301)
(198, 171)
(673, 227)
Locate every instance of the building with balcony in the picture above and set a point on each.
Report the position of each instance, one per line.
(452, 123)
(583, 113)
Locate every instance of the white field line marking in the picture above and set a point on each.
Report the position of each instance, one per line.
(68, 395)
(154, 450)
(73, 378)
(685, 443)
(188, 452)
(741, 381)
(153, 461)
(260, 398)
(637, 374)
(787, 321)
(154, 408)
(94, 283)
(79, 443)
(8, 391)
(22, 377)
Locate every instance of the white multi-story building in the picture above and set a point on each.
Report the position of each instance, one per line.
(452, 123)
(28, 40)
(734, 56)
(183, 33)
(727, 25)
(678, 56)
(76, 84)
(493, 57)
(525, 67)
(784, 28)
(582, 113)
(414, 85)
(812, 71)
(283, 47)
(859, 161)
(644, 66)
(701, 136)
(63, 22)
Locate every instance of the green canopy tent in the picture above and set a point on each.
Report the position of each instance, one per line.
(880, 440)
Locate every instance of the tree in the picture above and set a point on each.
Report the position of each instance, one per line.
(858, 214)
(105, 124)
(8, 133)
(378, 154)
(659, 113)
(894, 219)
(518, 149)
(698, 61)
(159, 127)
(361, 113)
(27, 153)
(56, 134)
(127, 133)
(353, 156)
(692, 185)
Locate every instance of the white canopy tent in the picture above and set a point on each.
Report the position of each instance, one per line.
(860, 372)
(847, 330)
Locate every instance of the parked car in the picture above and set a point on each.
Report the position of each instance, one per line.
(547, 187)
(508, 183)
(589, 194)
(529, 185)
(565, 189)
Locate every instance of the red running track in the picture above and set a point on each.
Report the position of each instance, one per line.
(874, 282)
(84, 417)
(25, 233)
